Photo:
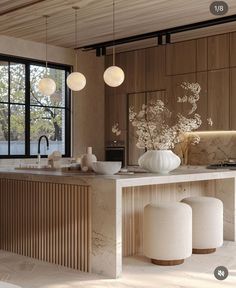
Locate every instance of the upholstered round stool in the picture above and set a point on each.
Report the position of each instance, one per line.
(167, 233)
(207, 223)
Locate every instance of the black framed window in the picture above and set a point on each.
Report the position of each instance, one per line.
(26, 114)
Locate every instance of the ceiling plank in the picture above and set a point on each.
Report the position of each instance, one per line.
(133, 17)
(19, 7)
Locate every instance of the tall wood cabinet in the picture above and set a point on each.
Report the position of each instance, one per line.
(211, 61)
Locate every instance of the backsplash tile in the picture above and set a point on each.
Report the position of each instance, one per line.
(213, 147)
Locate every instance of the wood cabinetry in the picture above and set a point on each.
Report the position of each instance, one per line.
(233, 49)
(135, 71)
(202, 79)
(218, 52)
(201, 54)
(210, 61)
(135, 100)
(218, 99)
(177, 91)
(181, 57)
(233, 98)
(133, 63)
(155, 68)
(116, 112)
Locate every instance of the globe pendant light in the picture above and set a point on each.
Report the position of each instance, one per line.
(114, 76)
(47, 86)
(76, 81)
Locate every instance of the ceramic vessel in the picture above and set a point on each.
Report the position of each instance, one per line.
(87, 159)
(159, 161)
(106, 167)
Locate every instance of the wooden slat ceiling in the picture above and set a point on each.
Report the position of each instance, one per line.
(95, 18)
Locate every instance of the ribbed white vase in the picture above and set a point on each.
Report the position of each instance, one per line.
(159, 161)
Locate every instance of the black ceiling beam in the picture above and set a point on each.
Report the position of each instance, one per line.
(178, 29)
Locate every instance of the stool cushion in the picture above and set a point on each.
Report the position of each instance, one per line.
(207, 221)
(168, 231)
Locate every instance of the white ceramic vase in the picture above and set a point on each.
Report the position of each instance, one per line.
(159, 161)
(88, 159)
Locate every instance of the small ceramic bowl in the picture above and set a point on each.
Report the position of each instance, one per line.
(106, 167)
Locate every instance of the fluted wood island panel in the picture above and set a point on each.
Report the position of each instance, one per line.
(46, 221)
(47, 214)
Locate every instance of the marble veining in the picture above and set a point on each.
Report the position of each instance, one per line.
(106, 202)
(213, 148)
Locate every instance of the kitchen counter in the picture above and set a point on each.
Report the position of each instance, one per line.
(101, 205)
(182, 174)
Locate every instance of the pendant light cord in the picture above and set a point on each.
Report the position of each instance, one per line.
(76, 38)
(113, 26)
(46, 43)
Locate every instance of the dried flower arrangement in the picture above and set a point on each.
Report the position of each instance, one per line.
(152, 122)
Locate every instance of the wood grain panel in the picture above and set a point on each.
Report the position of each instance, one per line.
(132, 17)
(136, 198)
(201, 54)
(202, 104)
(135, 71)
(116, 112)
(218, 51)
(156, 68)
(218, 99)
(181, 57)
(116, 104)
(178, 91)
(232, 98)
(232, 49)
(46, 221)
(133, 65)
(15, 5)
(136, 101)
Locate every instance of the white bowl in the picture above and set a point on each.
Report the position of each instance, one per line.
(106, 167)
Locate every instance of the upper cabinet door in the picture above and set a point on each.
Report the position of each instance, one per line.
(232, 98)
(181, 58)
(218, 51)
(135, 74)
(135, 100)
(218, 99)
(115, 112)
(201, 54)
(202, 103)
(233, 49)
(156, 68)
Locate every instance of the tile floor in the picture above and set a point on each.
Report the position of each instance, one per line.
(138, 272)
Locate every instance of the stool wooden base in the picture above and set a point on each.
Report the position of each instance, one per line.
(204, 251)
(167, 262)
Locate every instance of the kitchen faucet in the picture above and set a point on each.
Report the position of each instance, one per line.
(39, 142)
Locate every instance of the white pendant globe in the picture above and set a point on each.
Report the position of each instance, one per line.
(76, 81)
(114, 76)
(47, 86)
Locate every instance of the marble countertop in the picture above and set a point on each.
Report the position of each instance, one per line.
(182, 174)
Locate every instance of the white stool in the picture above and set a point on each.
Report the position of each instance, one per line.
(207, 223)
(167, 233)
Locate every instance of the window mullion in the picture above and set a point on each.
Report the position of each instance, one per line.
(9, 107)
(27, 109)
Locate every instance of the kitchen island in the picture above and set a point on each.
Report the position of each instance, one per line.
(88, 222)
